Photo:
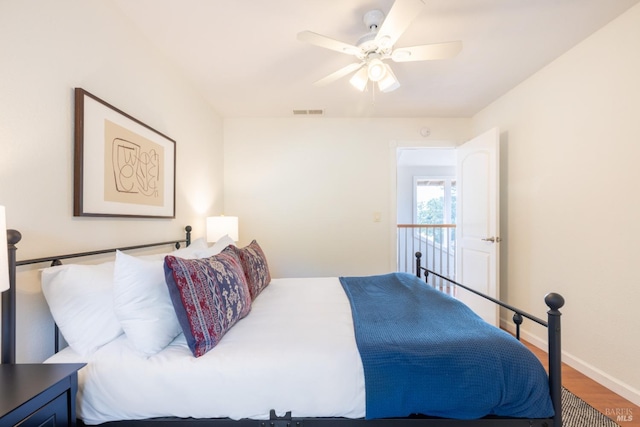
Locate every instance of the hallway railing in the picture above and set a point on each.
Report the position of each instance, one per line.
(437, 243)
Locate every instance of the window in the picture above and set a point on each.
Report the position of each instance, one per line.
(435, 203)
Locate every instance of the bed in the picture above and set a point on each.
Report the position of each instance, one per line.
(285, 352)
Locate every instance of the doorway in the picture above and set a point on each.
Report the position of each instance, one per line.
(477, 216)
(426, 207)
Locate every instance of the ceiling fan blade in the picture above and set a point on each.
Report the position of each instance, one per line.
(427, 52)
(338, 74)
(398, 19)
(327, 42)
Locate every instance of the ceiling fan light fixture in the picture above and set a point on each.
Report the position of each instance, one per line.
(376, 70)
(359, 79)
(389, 83)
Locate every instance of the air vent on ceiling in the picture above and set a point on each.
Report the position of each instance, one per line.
(308, 112)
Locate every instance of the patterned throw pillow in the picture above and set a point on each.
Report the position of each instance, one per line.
(256, 270)
(209, 295)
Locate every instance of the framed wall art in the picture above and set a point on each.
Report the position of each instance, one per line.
(122, 167)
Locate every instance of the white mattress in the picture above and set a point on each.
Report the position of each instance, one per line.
(295, 351)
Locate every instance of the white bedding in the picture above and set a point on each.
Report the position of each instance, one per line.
(295, 351)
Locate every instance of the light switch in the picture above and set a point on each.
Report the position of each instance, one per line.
(377, 216)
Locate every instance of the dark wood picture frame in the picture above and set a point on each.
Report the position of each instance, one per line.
(122, 167)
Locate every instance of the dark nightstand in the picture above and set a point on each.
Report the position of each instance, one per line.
(38, 394)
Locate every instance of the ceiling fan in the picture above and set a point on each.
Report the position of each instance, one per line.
(377, 45)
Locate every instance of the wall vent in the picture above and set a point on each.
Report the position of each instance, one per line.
(308, 112)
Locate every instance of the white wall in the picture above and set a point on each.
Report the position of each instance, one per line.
(570, 214)
(308, 188)
(47, 49)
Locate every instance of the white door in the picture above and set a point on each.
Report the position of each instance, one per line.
(478, 222)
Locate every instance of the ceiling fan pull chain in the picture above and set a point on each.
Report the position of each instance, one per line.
(373, 92)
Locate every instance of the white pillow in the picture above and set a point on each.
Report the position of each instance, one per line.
(216, 248)
(143, 304)
(80, 298)
(190, 252)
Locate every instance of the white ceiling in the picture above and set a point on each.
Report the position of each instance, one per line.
(244, 57)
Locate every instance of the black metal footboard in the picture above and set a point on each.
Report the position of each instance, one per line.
(554, 302)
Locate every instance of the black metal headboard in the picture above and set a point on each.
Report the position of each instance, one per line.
(9, 296)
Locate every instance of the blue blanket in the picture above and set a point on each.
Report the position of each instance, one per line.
(424, 352)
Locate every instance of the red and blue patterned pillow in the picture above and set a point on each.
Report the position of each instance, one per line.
(256, 270)
(209, 295)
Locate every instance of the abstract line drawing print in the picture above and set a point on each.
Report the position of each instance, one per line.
(135, 171)
(122, 167)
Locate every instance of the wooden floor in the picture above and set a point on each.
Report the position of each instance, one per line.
(609, 403)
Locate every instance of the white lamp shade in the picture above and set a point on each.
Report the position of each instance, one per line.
(219, 226)
(359, 80)
(4, 258)
(389, 82)
(376, 70)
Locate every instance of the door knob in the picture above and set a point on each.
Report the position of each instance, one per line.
(492, 239)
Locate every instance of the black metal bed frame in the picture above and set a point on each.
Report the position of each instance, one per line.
(554, 301)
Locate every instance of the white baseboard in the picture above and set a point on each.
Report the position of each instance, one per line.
(606, 380)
